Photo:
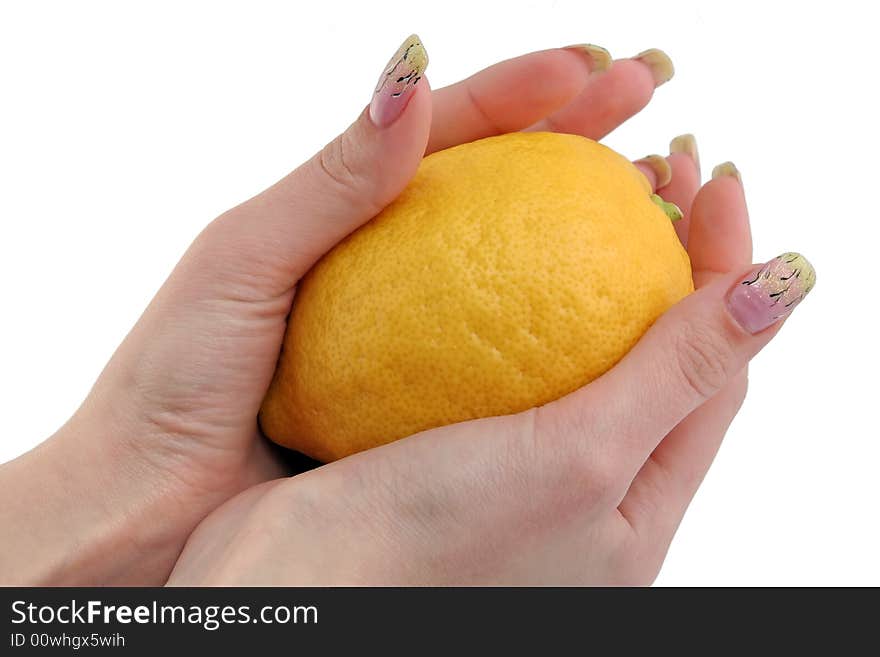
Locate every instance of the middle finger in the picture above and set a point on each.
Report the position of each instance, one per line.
(564, 89)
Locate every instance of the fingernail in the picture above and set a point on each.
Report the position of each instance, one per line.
(687, 144)
(659, 63)
(598, 58)
(726, 169)
(660, 167)
(397, 82)
(771, 291)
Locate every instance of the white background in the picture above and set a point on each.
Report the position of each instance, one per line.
(125, 127)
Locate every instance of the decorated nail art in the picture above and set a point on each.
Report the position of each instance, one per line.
(397, 82)
(659, 63)
(771, 291)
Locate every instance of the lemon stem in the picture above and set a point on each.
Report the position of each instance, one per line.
(670, 209)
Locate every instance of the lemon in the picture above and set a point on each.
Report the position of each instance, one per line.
(509, 272)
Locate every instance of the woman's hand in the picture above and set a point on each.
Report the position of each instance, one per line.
(585, 490)
(169, 431)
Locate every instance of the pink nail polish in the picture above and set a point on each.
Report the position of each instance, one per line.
(398, 81)
(771, 291)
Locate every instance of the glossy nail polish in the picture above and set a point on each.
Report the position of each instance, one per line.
(660, 167)
(726, 169)
(771, 291)
(398, 81)
(659, 63)
(686, 144)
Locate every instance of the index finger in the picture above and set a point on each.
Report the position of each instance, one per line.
(685, 358)
(577, 89)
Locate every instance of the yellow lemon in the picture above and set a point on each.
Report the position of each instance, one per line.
(511, 271)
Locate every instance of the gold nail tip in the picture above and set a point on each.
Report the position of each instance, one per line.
(805, 269)
(414, 51)
(411, 52)
(658, 61)
(660, 167)
(599, 59)
(726, 169)
(686, 144)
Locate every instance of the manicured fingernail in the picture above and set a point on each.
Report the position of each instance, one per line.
(659, 63)
(686, 144)
(726, 169)
(397, 82)
(660, 167)
(598, 58)
(771, 291)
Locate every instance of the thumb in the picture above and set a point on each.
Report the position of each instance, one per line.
(271, 240)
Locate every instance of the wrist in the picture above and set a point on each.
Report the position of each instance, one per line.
(83, 509)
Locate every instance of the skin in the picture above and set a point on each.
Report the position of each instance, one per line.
(162, 472)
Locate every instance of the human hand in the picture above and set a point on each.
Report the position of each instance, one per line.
(585, 490)
(588, 489)
(169, 431)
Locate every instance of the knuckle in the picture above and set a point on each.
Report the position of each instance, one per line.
(577, 468)
(336, 161)
(703, 359)
(602, 480)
